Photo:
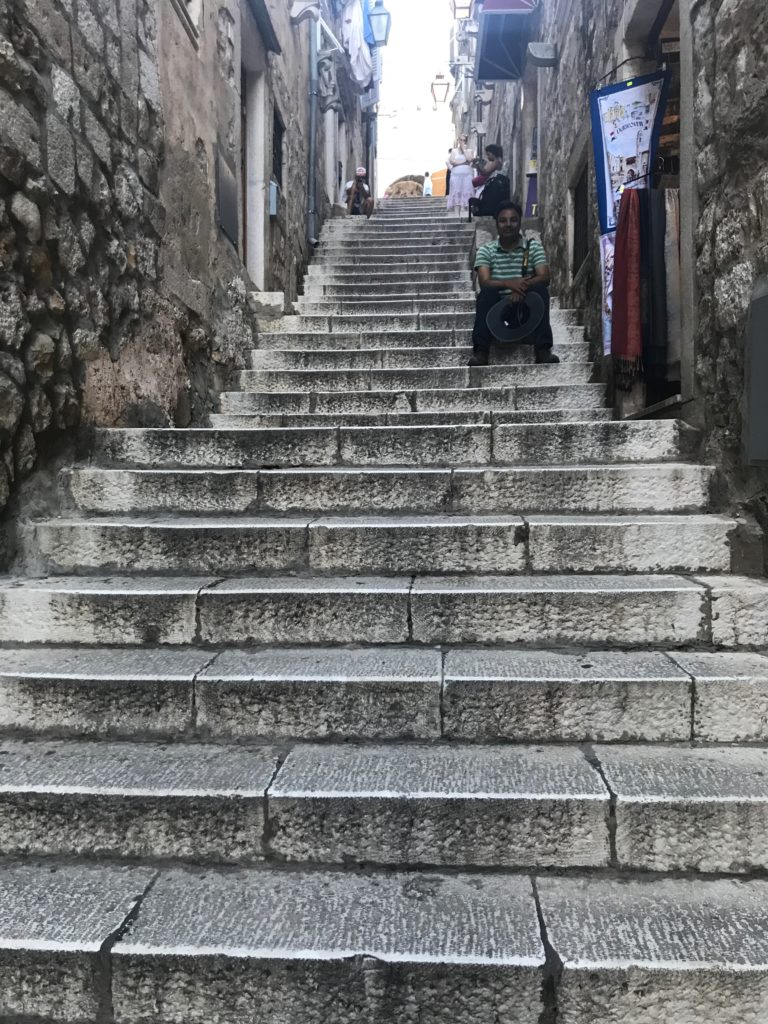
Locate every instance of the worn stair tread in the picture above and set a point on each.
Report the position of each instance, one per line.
(416, 772)
(436, 418)
(661, 774)
(123, 769)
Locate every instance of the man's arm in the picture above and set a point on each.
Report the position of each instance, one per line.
(541, 274)
(513, 284)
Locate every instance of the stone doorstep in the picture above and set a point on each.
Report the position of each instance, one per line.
(633, 610)
(388, 544)
(651, 487)
(367, 693)
(461, 946)
(413, 378)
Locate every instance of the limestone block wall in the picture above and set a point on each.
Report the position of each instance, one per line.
(731, 140)
(88, 331)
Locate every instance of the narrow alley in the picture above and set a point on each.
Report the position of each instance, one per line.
(363, 685)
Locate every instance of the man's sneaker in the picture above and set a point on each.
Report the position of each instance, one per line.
(546, 355)
(478, 360)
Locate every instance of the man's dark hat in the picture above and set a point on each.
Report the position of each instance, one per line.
(511, 322)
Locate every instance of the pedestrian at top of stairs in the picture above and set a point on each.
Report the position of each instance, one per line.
(358, 195)
(514, 267)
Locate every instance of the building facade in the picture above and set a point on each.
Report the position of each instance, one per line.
(162, 163)
(524, 71)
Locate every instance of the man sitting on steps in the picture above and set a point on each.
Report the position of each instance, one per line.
(512, 267)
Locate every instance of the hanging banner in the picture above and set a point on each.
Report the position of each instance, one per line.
(607, 248)
(626, 124)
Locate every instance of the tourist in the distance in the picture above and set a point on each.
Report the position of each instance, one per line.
(460, 162)
(358, 195)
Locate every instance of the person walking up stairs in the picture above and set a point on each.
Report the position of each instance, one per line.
(408, 691)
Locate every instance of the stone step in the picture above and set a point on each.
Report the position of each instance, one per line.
(348, 324)
(262, 943)
(326, 947)
(134, 800)
(389, 545)
(391, 693)
(673, 487)
(435, 290)
(376, 307)
(625, 611)
(482, 806)
(678, 808)
(674, 807)
(523, 444)
(419, 277)
(442, 244)
(300, 341)
(395, 358)
(413, 378)
(403, 262)
(246, 421)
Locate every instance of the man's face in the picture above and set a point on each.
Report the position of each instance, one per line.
(509, 224)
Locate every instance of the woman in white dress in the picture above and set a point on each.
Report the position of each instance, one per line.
(460, 163)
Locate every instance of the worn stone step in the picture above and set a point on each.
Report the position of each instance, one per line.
(580, 399)
(523, 444)
(365, 262)
(441, 291)
(441, 245)
(667, 949)
(279, 946)
(135, 800)
(395, 358)
(382, 693)
(375, 307)
(616, 611)
(348, 324)
(401, 419)
(544, 696)
(483, 806)
(421, 378)
(246, 420)
(385, 544)
(268, 693)
(419, 276)
(673, 487)
(563, 335)
(679, 808)
(363, 544)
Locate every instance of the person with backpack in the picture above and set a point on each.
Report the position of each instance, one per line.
(495, 192)
(513, 267)
(494, 155)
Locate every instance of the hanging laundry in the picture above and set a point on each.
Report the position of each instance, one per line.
(353, 37)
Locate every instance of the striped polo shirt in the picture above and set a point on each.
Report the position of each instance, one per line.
(505, 265)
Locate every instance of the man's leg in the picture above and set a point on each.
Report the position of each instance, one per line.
(482, 339)
(543, 340)
(368, 206)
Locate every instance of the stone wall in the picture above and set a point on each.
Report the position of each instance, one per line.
(88, 333)
(731, 142)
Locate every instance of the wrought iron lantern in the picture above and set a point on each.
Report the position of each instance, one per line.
(440, 89)
(381, 22)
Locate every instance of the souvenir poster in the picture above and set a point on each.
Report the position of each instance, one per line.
(626, 123)
(607, 247)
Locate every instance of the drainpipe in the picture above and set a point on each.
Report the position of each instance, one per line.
(314, 50)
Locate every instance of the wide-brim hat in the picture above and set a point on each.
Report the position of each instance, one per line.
(510, 322)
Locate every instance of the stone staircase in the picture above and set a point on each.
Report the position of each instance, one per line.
(406, 691)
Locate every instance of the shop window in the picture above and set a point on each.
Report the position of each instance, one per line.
(278, 137)
(580, 220)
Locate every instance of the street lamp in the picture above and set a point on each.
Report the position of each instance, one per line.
(461, 9)
(440, 89)
(381, 22)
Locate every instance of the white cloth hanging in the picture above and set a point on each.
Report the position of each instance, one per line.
(353, 37)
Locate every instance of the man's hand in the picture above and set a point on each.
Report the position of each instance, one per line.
(518, 290)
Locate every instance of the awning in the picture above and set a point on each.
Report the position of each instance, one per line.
(503, 37)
